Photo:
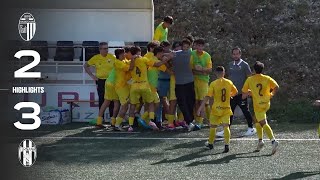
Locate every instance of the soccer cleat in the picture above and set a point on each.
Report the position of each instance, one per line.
(250, 132)
(274, 147)
(226, 149)
(191, 127)
(100, 126)
(197, 127)
(183, 124)
(260, 146)
(130, 129)
(171, 126)
(210, 146)
(153, 126)
(118, 129)
(220, 134)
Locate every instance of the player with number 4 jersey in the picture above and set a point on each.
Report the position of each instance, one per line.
(140, 87)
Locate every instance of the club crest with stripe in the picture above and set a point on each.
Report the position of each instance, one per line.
(27, 153)
(27, 26)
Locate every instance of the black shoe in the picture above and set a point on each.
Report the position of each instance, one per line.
(159, 124)
(100, 126)
(135, 122)
(210, 146)
(226, 149)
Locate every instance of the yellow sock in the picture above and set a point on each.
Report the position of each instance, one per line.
(99, 120)
(227, 135)
(118, 121)
(145, 115)
(268, 131)
(180, 116)
(319, 131)
(113, 121)
(199, 120)
(259, 131)
(166, 116)
(208, 110)
(212, 135)
(151, 115)
(170, 119)
(131, 120)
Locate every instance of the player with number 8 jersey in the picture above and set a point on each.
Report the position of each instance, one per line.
(221, 90)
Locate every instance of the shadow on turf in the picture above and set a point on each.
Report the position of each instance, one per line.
(226, 159)
(299, 175)
(187, 157)
(71, 151)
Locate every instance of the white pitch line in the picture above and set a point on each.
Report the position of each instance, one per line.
(142, 138)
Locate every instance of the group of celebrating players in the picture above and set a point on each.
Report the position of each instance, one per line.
(131, 81)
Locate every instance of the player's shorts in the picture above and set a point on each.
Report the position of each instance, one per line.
(172, 91)
(140, 90)
(260, 116)
(201, 88)
(155, 95)
(217, 120)
(123, 94)
(110, 92)
(163, 87)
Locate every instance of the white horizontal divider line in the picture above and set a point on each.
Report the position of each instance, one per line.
(156, 138)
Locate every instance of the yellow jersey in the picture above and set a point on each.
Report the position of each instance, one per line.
(260, 86)
(221, 90)
(102, 64)
(139, 73)
(160, 33)
(153, 72)
(204, 60)
(121, 69)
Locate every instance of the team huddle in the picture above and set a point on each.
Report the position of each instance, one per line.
(174, 80)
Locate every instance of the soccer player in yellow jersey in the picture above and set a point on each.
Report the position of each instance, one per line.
(140, 87)
(117, 89)
(103, 64)
(221, 90)
(153, 74)
(317, 103)
(202, 67)
(262, 89)
(161, 32)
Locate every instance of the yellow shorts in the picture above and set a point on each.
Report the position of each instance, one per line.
(172, 90)
(155, 95)
(260, 116)
(138, 91)
(201, 88)
(110, 92)
(123, 94)
(217, 120)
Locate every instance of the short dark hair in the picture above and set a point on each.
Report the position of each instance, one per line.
(258, 67)
(102, 44)
(200, 41)
(220, 69)
(135, 49)
(168, 19)
(190, 38)
(151, 45)
(176, 44)
(127, 49)
(165, 44)
(186, 41)
(118, 52)
(236, 48)
(157, 50)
